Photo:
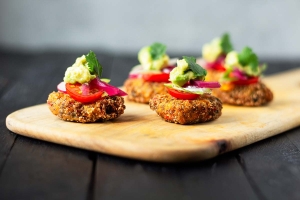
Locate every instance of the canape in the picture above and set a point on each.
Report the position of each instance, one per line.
(241, 82)
(189, 99)
(83, 96)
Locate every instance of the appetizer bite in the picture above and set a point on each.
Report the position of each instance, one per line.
(241, 84)
(148, 78)
(189, 99)
(83, 96)
(213, 56)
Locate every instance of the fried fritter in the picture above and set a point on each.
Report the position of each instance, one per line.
(205, 108)
(66, 108)
(256, 94)
(213, 75)
(142, 91)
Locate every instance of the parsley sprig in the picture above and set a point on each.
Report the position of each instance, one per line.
(226, 43)
(94, 66)
(197, 69)
(248, 58)
(157, 50)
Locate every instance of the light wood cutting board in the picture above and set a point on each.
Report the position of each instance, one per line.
(140, 134)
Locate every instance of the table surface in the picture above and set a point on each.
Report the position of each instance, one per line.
(34, 169)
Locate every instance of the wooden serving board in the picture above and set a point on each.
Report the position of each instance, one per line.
(140, 134)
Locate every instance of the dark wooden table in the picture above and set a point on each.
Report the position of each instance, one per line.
(34, 169)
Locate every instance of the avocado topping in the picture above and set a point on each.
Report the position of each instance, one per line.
(187, 69)
(153, 57)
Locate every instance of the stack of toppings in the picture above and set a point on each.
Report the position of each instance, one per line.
(82, 81)
(187, 80)
(242, 68)
(214, 53)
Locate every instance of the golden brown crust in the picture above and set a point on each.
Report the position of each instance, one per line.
(205, 108)
(256, 94)
(142, 91)
(68, 109)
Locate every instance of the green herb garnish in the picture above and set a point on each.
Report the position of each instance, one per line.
(226, 43)
(94, 66)
(248, 58)
(197, 69)
(157, 50)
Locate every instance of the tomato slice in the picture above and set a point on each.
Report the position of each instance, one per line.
(182, 95)
(246, 82)
(74, 90)
(219, 67)
(156, 77)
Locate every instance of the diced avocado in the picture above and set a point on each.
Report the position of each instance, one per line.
(144, 55)
(232, 59)
(78, 72)
(182, 79)
(150, 63)
(181, 74)
(211, 51)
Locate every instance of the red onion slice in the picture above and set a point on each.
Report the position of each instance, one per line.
(85, 89)
(239, 74)
(205, 84)
(216, 65)
(109, 89)
(167, 69)
(135, 76)
(62, 87)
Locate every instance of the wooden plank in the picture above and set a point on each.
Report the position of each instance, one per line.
(221, 177)
(140, 134)
(7, 140)
(273, 166)
(10, 70)
(42, 170)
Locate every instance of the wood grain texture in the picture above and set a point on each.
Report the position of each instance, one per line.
(273, 166)
(45, 171)
(116, 178)
(141, 134)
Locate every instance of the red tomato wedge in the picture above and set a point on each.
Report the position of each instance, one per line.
(246, 82)
(156, 77)
(75, 91)
(182, 95)
(219, 67)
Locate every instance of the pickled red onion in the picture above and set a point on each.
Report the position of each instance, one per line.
(167, 69)
(205, 84)
(62, 87)
(85, 88)
(238, 74)
(109, 89)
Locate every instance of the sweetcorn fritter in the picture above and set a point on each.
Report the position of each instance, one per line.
(68, 109)
(256, 94)
(142, 91)
(205, 108)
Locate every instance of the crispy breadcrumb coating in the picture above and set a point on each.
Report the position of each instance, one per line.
(68, 109)
(142, 91)
(205, 108)
(256, 94)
